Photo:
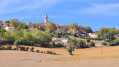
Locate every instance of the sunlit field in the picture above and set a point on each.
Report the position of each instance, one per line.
(88, 53)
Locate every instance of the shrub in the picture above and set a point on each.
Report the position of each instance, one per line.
(114, 42)
(104, 43)
(53, 44)
(8, 48)
(22, 48)
(16, 43)
(81, 43)
(14, 48)
(92, 44)
(32, 49)
(60, 45)
(2, 48)
(27, 48)
(88, 40)
(70, 49)
(37, 51)
(87, 46)
(50, 52)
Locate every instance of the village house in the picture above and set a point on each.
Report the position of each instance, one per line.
(60, 28)
(2, 23)
(63, 28)
(60, 40)
(9, 28)
(93, 35)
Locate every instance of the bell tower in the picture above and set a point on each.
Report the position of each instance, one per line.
(46, 19)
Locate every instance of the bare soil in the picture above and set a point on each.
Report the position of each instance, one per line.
(32, 59)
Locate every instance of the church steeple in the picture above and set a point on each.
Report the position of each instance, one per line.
(46, 19)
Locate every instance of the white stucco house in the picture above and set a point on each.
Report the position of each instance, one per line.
(9, 28)
(93, 35)
(60, 40)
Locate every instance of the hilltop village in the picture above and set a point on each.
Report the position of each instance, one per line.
(13, 24)
(15, 32)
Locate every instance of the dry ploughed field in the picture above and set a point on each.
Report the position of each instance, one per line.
(90, 57)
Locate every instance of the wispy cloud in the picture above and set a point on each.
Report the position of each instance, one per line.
(100, 9)
(11, 6)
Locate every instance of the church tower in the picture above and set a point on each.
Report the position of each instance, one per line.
(46, 19)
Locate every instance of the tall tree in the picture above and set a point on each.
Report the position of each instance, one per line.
(74, 27)
(14, 23)
(88, 30)
(22, 26)
(9, 37)
(107, 33)
(2, 31)
(71, 49)
(29, 38)
(51, 27)
(40, 26)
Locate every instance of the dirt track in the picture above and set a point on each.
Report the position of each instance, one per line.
(29, 59)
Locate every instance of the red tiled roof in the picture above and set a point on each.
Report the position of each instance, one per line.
(10, 27)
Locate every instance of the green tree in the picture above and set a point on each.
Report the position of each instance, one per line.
(73, 41)
(14, 23)
(2, 32)
(51, 27)
(81, 43)
(18, 34)
(92, 44)
(22, 26)
(74, 27)
(9, 37)
(53, 44)
(88, 30)
(29, 38)
(41, 37)
(71, 49)
(114, 42)
(40, 27)
(7, 23)
(107, 33)
(57, 35)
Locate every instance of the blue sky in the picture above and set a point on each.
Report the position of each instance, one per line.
(93, 13)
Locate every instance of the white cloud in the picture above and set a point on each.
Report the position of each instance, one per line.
(11, 6)
(100, 9)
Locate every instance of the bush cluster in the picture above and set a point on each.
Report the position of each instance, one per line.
(79, 43)
(92, 44)
(32, 49)
(88, 40)
(8, 48)
(104, 43)
(2, 48)
(50, 52)
(114, 42)
(37, 51)
(60, 45)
